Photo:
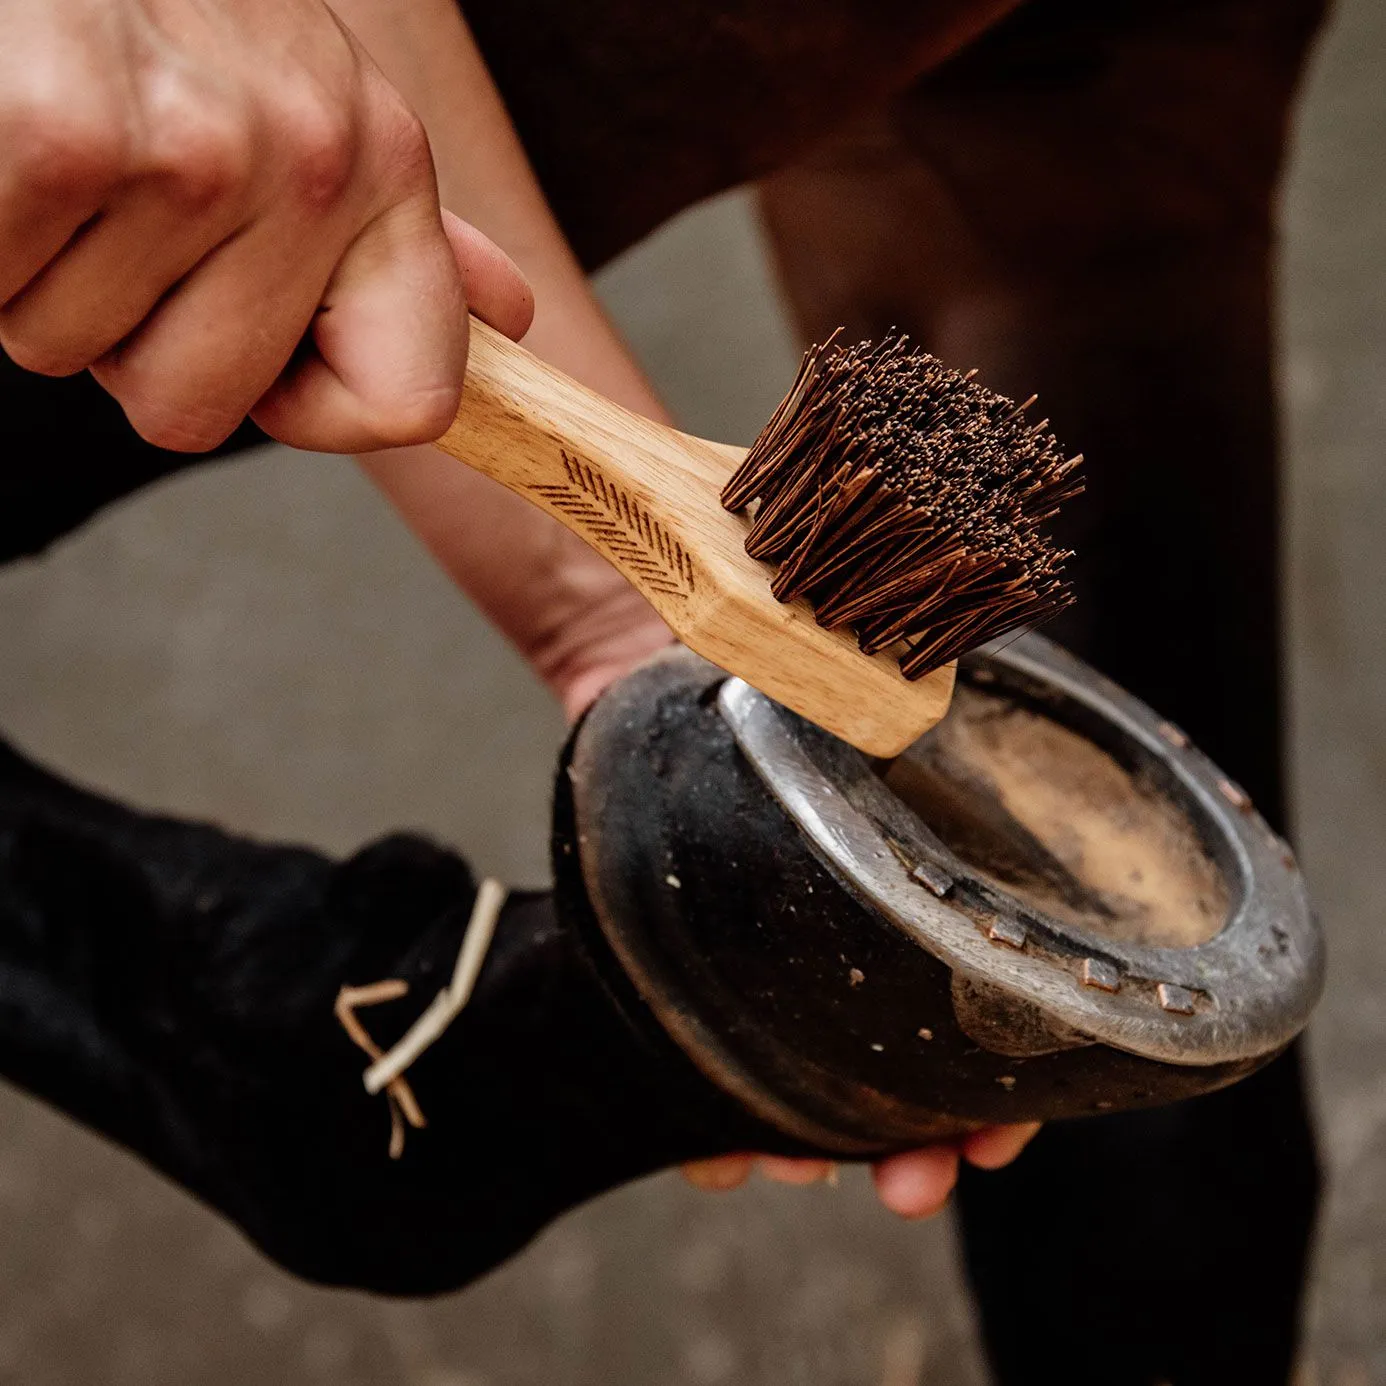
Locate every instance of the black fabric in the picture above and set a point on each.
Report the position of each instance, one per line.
(1150, 1247)
(173, 987)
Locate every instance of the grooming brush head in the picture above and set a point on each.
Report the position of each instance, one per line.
(905, 501)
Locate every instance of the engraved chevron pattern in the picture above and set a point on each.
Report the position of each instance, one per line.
(623, 525)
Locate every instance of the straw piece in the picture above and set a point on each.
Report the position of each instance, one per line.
(387, 1069)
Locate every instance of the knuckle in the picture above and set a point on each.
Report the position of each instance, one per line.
(177, 431)
(33, 349)
(204, 155)
(33, 357)
(167, 418)
(322, 143)
(55, 147)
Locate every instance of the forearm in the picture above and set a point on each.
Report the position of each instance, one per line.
(539, 584)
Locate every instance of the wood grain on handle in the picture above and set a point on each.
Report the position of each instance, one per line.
(645, 497)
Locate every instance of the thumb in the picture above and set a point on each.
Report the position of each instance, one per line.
(389, 344)
(384, 362)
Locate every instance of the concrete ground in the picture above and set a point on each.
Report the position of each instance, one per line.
(264, 645)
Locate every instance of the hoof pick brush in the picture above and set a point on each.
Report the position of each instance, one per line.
(902, 503)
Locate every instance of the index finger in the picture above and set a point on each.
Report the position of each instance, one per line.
(497, 292)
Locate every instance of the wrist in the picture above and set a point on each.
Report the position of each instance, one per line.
(578, 677)
(577, 622)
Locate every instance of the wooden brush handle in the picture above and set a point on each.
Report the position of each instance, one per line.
(646, 497)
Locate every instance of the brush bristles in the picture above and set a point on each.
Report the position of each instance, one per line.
(905, 501)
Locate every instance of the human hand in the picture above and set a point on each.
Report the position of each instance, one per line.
(916, 1184)
(222, 208)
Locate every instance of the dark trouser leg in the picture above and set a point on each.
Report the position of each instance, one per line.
(1165, 1246)
(1084, 210)
(632, 111)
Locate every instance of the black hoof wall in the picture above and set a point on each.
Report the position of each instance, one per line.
(1050, 906)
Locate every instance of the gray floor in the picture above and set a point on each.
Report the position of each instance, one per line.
(265, 646)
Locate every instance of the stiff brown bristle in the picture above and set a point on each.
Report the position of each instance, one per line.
(905, 501)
